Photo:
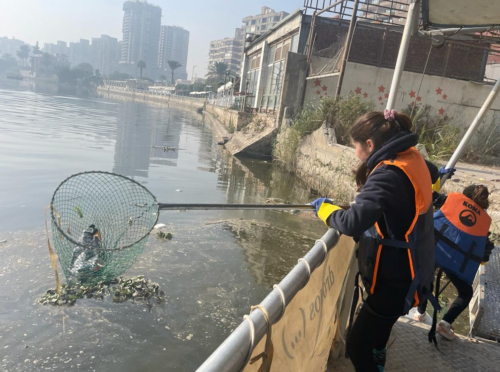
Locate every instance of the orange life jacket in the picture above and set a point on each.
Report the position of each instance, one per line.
(461, 233)
(419, 239)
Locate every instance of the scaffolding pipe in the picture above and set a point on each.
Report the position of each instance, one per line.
(231, 355)
(472, 129)
(411, 21)
(347, 48)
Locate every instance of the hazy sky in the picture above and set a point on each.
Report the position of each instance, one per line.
(47, 21)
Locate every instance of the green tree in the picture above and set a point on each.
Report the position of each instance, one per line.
(217, 70)
(119, 76)
(141, 64)
(36, 49)
(87, 68)
(97, 72)
(163, 78)
(173, 66)
(23, 53)
(7, 62)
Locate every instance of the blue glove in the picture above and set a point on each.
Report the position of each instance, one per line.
(443, 171)
(317, 204)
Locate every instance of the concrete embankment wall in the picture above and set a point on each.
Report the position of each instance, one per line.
(250, 134)
(147, 97)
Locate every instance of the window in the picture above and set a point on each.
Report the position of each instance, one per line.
(277, 54)
(263, 28)
(276, 19)
(285, 50)
(294, 44)
(403, 7)
(253, 22)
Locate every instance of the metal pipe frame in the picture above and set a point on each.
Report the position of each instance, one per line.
(231, 355)
(472, 129)
(459, 30)
(411, 22)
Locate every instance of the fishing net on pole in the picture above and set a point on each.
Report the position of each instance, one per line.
(100, 224)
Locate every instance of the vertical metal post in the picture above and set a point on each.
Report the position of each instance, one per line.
(347, 47)
(470, 132)
(411, 21)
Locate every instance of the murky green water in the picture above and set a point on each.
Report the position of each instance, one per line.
(217, 265)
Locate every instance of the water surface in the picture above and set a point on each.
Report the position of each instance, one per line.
(217, 265)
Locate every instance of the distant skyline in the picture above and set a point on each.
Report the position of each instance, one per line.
(48, 21)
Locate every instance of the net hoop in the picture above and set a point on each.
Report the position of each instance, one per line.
(54, 220)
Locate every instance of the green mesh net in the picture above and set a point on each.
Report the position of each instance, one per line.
(100, 224)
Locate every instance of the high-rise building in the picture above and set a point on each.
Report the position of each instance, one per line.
(260, 23)
(61, 48)
(141, 36)
(10, 46)
(79, 52)
(174, 44)
(230, 50)
(105, 54)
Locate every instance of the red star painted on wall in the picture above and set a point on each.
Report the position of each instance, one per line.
(441, 111)
(358, 90)
(324, 87)
(445, 96)
(365, 94)
(439, 90)
(412, 94)
(318, 92)
(381, 88)
(317, 82)
(320, 97)
(381, 103)
(419, 98)
(386, 95)
(380, 98)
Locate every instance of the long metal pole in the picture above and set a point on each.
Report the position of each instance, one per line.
(403, 51)
(472, 129)
(232, 353)
(206, 207)
(347, 47)
(237, 207)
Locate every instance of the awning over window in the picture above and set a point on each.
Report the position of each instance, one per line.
(458, 13)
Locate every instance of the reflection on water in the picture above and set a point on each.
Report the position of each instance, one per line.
(218, 264)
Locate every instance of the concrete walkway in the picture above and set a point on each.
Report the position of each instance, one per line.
(410, 351)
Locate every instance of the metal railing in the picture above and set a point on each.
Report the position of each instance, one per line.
(234, 352)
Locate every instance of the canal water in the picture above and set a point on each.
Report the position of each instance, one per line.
(217, 265)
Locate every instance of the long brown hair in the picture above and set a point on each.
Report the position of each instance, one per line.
(374, 126)
(479, 194)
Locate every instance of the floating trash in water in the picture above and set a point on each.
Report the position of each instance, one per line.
(159, 226)
(3, 241)
(137, 288)
(164, 235)
(178, 190)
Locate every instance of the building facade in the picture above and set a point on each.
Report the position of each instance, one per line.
(79, 52)
(262, 22)
(229, 51)
(10, 46)
(105, 54)
(174, 45)
(141, 36)
(385, 11)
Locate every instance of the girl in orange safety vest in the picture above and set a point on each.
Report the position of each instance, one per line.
(392, 220)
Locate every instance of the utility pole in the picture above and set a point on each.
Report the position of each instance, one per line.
(192, 75)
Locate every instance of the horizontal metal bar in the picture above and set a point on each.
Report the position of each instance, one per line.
(207, 207)
(459, 30)
(232, 353)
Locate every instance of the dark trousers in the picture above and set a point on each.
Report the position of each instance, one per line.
(461, 302)
(372, 327)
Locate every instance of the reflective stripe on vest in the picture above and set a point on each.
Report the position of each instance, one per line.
(461, 233)
(419, 237)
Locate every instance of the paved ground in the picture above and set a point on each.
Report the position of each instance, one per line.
(410, 351)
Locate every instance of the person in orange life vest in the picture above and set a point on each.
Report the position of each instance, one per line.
(462, 244)
(392, 220)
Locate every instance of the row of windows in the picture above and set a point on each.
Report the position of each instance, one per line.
(262, 20)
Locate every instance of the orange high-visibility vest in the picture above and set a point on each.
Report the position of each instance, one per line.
(419, 239)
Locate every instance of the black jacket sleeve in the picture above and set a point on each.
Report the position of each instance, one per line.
(377, 195)
(489, 248)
